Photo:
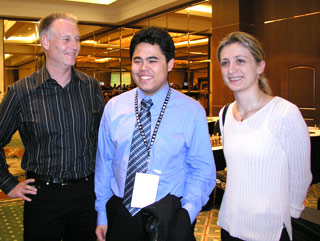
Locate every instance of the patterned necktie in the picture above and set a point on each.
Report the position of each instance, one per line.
(138, 153)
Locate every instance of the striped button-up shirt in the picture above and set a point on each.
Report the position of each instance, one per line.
(58, 126)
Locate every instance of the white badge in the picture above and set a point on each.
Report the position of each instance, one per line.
(144, 190)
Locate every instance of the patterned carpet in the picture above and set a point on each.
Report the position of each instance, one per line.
(11, 210)
(11, 228)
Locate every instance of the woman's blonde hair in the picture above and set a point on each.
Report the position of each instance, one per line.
(255, 48)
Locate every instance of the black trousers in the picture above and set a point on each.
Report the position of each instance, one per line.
(61, 213)
(225, 236)
(123, 227)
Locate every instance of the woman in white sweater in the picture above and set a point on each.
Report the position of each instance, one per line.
(267, 149)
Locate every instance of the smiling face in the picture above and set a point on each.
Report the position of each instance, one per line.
(150, 68)
(62, 43)
(240, 71)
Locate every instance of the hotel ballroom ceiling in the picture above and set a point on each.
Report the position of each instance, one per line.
(100, 27)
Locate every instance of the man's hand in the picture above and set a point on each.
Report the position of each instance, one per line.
(101, 231)
(23, 188)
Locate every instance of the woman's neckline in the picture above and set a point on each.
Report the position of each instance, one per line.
(255, 111)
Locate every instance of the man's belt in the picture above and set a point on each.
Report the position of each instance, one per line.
(54, 180)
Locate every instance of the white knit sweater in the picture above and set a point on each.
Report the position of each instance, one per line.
(268, 171)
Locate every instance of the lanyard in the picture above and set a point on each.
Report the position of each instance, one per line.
(165, 103)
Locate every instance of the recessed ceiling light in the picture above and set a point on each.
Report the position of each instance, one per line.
(6, 56)
(201, 8)
(192, 42)
(105, 2)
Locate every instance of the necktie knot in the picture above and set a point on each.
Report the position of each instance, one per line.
(146, 104)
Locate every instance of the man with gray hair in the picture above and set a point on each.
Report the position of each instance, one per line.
(57, 111)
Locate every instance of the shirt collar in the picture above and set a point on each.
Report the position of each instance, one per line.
(44, 75)
(157, 99)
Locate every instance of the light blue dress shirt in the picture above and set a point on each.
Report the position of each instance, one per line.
(181, 151)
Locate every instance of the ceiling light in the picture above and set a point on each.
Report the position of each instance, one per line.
(102, 60)
(92, 43)
(89, 42)
(201, 8)
(6, 56)
(199, 53)
(200, 61)
(193, 42)
(13, 39)
(105, 2)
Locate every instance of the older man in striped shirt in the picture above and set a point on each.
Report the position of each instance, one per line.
(57, 111)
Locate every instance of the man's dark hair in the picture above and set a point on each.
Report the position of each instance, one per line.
(154, 35)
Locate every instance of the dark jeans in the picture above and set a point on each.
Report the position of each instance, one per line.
(225, 236)
(61, 212)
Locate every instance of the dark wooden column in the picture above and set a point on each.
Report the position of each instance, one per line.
(227, 16)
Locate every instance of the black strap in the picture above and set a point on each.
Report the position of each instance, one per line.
(224, 113)
(153, 137)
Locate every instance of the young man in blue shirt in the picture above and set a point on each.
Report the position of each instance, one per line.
(179, 155)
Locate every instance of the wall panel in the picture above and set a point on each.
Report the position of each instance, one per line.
(291, 39)
(303, 62)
